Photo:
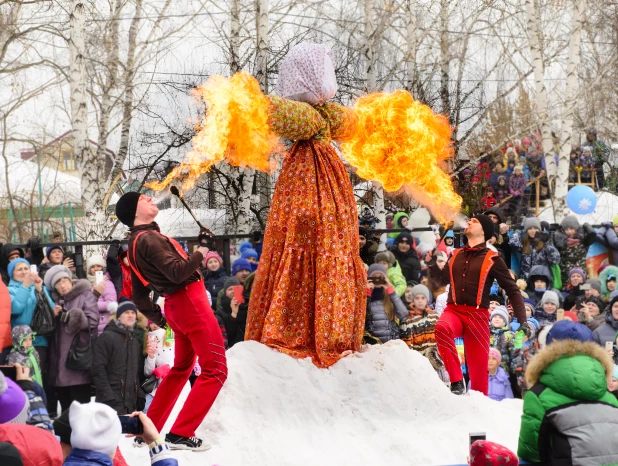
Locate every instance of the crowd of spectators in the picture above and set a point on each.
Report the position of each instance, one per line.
(502, 177)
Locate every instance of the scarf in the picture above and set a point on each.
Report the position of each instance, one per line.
(124, 327)
(572, 242)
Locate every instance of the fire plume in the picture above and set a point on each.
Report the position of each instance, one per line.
(235, 129)
(402, 144)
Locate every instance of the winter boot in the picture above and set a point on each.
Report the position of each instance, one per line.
(458, 388)
(177, 442)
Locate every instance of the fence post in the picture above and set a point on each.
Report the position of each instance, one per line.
(79, 261)
(226, 255)
(538, 196)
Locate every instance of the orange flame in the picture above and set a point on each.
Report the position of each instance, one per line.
(235, 129)
(402, 143)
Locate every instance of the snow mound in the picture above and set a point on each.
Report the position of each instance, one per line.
(383, 405)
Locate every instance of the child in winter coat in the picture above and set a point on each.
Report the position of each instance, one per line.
(394, 273)
(214, 273)
(517, 186)
(501, 336)
(24, 353)
(612, 385)
(520, 357)
(608, 281)
(489, 200)
(104, 291)
(401, 221)
(535, 247)
(546, 310)
(572, 242)
(384, 307)
(499, 385)
(417, 329)
(569, 417)
(160, 351)
(586, 164)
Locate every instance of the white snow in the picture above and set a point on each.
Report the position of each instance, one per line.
(383, 405)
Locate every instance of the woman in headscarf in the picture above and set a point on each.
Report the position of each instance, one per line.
(308, 298)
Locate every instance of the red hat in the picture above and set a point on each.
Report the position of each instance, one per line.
(213, 255)
(570, 315)
(484, 453)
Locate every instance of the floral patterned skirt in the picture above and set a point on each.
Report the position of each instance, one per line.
(309, 294)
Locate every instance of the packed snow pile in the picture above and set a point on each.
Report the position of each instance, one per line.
(384, 405)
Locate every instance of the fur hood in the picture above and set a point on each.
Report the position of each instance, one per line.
(79, 287)
(562, 349)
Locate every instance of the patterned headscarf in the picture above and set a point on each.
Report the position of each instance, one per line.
(307, 74)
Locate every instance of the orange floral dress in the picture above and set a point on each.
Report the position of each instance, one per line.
(308, 297)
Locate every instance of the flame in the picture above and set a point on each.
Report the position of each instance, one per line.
(402, 143)
(235, 129)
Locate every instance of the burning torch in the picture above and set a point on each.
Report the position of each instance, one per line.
(205, 238)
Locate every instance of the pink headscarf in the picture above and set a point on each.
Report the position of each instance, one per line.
(307, 74)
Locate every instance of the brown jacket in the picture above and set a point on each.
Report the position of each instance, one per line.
(467, 278)
(161, 265)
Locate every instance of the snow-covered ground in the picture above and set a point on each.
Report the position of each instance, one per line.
(384, 405)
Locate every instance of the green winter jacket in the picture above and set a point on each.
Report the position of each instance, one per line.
(395, 276)
(396, 218)
(569, 416)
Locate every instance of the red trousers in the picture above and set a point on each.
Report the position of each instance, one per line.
(196, 332)
(473, 325)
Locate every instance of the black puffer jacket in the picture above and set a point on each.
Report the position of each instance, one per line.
(410, 264)
(115, 368)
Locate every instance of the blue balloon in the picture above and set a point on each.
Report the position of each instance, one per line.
(581, 200)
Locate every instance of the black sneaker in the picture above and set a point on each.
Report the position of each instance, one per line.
(176, 442)
(458, 388)
(139, 442)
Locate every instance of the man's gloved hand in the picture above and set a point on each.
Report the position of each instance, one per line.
(607, 225)
(206, 238)
(527, 329)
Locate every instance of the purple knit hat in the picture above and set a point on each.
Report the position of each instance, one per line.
(13, 402)
(579, 271)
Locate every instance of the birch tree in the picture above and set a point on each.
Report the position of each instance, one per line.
(562, 177)
(92, 192)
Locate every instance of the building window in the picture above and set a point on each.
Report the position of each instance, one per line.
(69, 163)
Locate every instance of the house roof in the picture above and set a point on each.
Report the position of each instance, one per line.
(27, 154)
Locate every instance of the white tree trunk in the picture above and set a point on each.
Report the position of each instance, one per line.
(368, 33)
(371, 74)
(245, 216)
(533, 19)
(411, 45)
(92, 194)
(235, 37)
(570, 103)
(445, 61)
(261, 9)
(127, 105)
(379, 212)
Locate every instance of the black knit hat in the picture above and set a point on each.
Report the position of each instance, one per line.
(126, 207)
(125, 306)
(62, 427)
(487, 224)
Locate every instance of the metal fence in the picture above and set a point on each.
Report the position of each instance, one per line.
(222, 242)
